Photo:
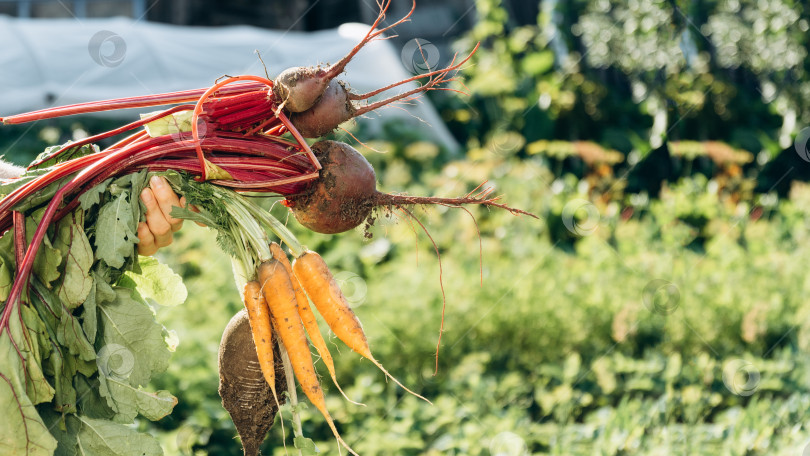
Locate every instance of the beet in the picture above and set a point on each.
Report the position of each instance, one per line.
(332, 109)
(299, 88)
(245, 393)
(344, 194)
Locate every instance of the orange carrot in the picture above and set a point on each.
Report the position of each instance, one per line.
(308, 318)
(259, 317)
(280, 296)
(314, 276)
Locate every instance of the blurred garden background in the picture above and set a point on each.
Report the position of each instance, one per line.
(660, 304)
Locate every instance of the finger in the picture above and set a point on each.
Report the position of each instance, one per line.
(167, 199)
(193, 208)
(146, 242)
(156, 220)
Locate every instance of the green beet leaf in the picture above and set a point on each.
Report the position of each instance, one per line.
(80, 435)
(92, 196)
(305, 445)
(7, 250)
(115, 231)
(128, 401)
(5, 280)
(91, 404)
(46, 264)
(62, 371)
(90, 315)
(77, 259)
(139, 182)
(105, 438)
(47, 306)
(70, 334)
(167, 125)
(23, 431)
(75, 152)
(64, 430)
(101, 292)
(131, 343)
(135, 183)
(36, 386)
(158, 283)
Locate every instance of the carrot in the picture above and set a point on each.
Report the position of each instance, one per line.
(314, 276)
(308, 318)
(259, 317)
(280, 296)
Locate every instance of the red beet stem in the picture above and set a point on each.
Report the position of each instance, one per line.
(147, 158)
(275, 138)
(142, 101)
(266, 184)
(262, 126)
(127, 141)
(19, 237)
(246, 116)
(257, 152)
(119, 130)
(232, 101)
(294, 131)
(198, 110)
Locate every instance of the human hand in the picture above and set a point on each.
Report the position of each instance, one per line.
(157, 230)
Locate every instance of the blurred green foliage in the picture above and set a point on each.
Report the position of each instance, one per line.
(631, 75)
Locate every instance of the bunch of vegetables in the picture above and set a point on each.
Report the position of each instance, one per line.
(78, 339)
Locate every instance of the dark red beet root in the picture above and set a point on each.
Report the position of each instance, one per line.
(244, 391)
(300, 88)
(344, 194)
(332, 109)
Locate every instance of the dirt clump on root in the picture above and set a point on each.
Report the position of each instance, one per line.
(245, 393)
(344, 194)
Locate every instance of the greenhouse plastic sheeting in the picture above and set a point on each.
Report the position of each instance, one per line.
(52, 62)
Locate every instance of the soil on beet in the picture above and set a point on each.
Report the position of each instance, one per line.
(344, 195)
(245, 394)
(332, 109)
